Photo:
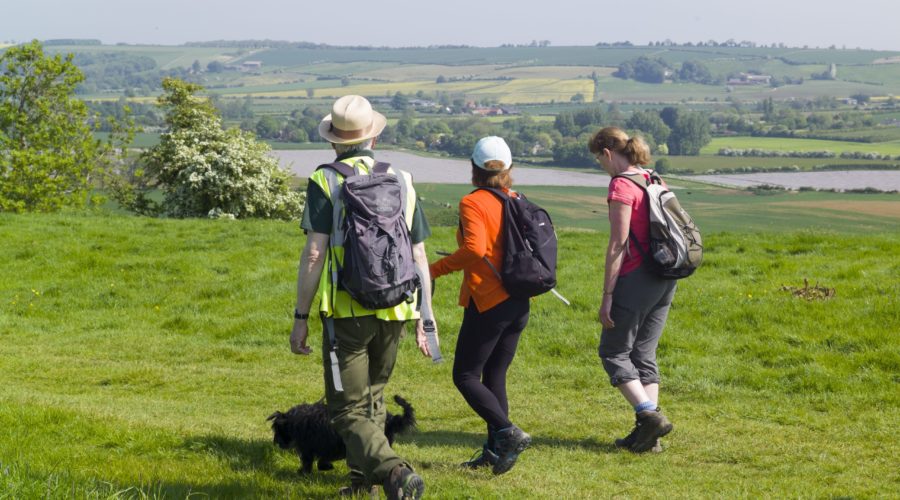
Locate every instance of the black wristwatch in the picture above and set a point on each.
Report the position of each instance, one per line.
(297, 315)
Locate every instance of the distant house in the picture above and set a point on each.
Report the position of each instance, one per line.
(251, 65)
(489, 111)
(750, 79)
(423, 103)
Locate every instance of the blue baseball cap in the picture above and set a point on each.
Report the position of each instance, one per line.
(491, 148)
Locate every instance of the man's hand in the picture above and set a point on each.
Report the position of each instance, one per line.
(422, 341)
(298, 337)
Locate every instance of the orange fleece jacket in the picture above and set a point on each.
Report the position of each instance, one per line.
(481, 217)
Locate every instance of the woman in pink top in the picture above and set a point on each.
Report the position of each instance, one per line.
(635, 300)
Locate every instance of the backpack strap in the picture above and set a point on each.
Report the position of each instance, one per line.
(341, 167)
(503, 199)
(642, 183)
(331, 172)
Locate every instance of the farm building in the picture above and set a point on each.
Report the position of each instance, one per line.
(748, 79)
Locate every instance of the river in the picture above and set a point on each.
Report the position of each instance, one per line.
(456, 171)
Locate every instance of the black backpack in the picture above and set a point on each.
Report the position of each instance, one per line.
(378, 269)
(529, 240)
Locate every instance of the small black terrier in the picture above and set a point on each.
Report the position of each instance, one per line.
(306, 429)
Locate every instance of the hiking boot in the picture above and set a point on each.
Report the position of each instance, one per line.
(403, 484)
(628, 441)
(510, 442)
(483, 459)
(649, 427)
(359, 491)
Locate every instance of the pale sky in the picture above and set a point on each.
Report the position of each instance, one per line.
(402, 23)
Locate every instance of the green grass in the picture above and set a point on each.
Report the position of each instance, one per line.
(141, 358)
(703, 163)
(789, 144)
(714, 208)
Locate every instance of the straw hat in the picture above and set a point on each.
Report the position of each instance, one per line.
(352, 120)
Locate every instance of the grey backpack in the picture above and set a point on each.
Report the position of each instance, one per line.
(676, 248)
(369, 222)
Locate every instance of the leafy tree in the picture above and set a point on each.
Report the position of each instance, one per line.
(268, 127)
(574, 152)
(650, 124)
(215, 67)
(669, 116)
(662, 165)
(690, 133)
(695, 71)
(400, 101)
(204, 170)
(48, 156)
(643, 69)
(767, 106)
(565, 124)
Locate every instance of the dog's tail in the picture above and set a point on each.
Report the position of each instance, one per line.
(399, 424)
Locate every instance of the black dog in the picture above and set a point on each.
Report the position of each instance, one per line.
(305, 429)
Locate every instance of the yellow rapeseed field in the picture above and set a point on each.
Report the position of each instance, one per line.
(518, 91)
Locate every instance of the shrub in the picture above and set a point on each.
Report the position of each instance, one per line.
(206, 171)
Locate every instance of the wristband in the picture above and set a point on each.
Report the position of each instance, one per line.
(298, 315)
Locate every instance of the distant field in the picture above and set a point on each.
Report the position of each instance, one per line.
(879, 134)
(582, 56)
(503, 91)
(714, 208)
(420, 72)
(542, 75)
(166, 56)
(706, 162)
(788, 144)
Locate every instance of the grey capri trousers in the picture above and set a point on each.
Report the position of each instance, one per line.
(640, 306)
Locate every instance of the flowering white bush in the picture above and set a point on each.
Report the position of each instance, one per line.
(205, 171)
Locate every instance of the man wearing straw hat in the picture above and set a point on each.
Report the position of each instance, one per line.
(362, 350)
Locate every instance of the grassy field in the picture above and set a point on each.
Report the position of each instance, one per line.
(166, 56)
(715, 208)
(542, 75)
(703, 163)
(792, 144)
(524, 90)
(141, 358)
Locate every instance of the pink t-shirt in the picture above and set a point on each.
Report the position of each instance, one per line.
(627, 192)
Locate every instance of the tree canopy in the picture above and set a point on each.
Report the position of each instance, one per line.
(48, 154)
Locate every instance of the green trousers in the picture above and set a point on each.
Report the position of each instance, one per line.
(367, 351)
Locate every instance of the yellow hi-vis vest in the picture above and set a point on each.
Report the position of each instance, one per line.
(336, 302)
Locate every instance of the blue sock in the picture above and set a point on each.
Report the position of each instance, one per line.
(646, 405)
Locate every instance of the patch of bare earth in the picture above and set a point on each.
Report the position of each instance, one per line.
(874, 207)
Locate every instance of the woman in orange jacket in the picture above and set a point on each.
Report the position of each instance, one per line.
(492, 321)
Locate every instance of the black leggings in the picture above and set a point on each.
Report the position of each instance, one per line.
(484, 350)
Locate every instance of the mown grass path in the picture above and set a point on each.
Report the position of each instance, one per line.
(139, 358)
